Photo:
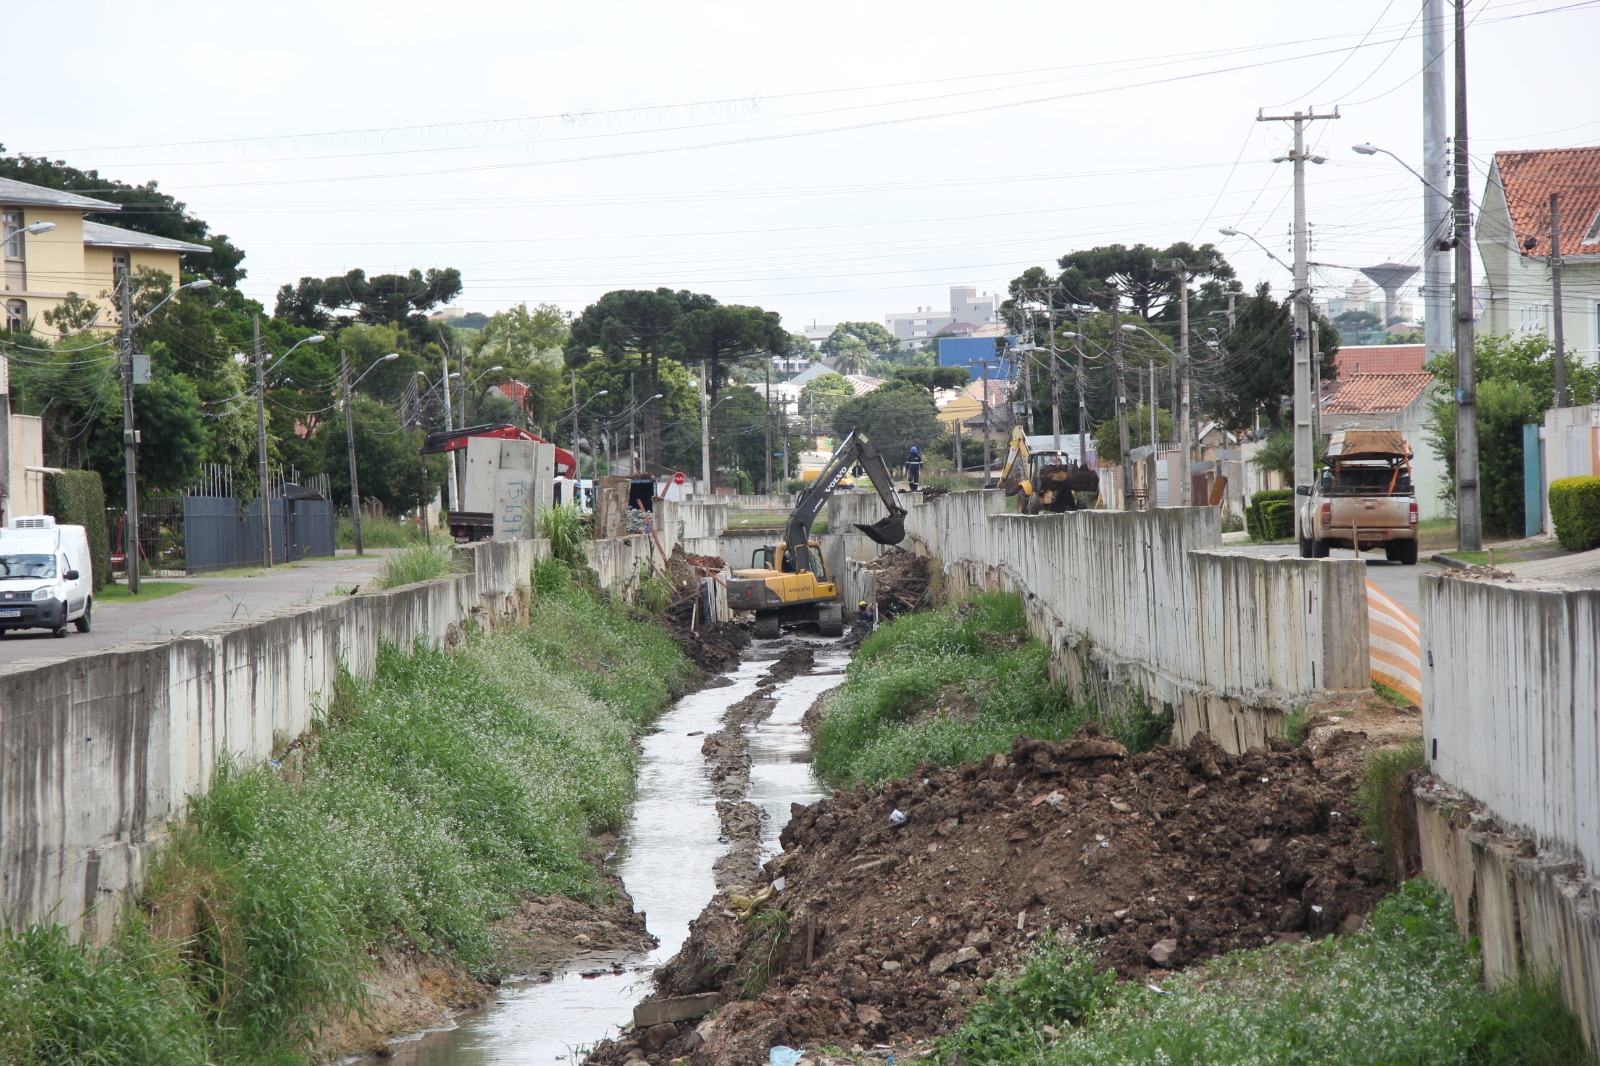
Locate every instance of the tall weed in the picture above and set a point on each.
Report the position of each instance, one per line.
(419, 562)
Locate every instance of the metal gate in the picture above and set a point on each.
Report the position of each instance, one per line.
(220, 533)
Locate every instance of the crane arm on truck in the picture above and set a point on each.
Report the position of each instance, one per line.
(454, 440)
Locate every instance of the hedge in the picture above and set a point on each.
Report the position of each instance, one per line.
(1575, 512)
(77, 498)
(1270, 515)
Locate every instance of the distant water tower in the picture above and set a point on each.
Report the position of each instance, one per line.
(1390, 277)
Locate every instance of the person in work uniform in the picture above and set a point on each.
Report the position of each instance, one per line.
(863, 613)
(914, 468)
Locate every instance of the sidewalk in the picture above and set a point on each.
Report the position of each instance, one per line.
(1579, 569)
(214, 601)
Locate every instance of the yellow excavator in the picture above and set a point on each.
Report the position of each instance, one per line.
(788, 581)
(1043, 482)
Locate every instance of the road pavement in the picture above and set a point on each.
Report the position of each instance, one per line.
(1397, 582)
(215, 601)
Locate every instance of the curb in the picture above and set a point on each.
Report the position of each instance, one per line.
(1446, 561)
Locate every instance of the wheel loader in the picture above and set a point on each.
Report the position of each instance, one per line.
(788, 581)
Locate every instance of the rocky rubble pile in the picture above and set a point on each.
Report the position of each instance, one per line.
(892, 905)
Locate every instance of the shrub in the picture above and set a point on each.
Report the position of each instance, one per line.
(377, 531)
(1270, 515)
(77, 498)
(1575, 512)
(567, 529)
(416, 563)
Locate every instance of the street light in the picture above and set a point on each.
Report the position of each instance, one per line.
(261, 438)
(465, 389)
(130, 436)
(1229, 231)
(350, 437)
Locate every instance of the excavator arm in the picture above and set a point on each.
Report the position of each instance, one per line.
(856, 447)
(1014, 475)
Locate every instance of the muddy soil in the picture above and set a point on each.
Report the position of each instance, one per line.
(727, 753)
(882, 932)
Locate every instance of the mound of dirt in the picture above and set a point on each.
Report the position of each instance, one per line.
(900, 581)
(883, 928)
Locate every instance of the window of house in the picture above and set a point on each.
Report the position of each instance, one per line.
(1534, 318)
(119, 267)
(13, 237)
(1593, 235)
(16, 315)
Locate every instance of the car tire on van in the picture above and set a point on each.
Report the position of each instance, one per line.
(84, 620)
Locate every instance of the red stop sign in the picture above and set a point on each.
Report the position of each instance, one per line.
(678, 478)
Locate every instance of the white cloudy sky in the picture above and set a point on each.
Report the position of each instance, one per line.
(827, 160)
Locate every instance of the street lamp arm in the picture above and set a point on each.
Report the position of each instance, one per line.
(195, 286)
(391, 357)
(1229, 231)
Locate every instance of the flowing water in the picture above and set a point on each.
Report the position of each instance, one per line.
(666, 863)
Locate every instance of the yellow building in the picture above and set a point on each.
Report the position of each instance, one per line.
(77, 257)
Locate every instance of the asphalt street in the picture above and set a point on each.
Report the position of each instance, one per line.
(216, 601)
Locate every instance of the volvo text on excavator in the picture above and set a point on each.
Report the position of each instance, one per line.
(789, 582)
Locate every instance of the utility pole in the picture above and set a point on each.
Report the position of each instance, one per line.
(705, 429)
(768, 421)
(1083, 406)
(450, 423)
(263, 496)
(350, 445)
(5, 439)
(1155, 409)
(1435, 170)
(1185, 424)
(1555, 282)
(1055, 385)
(984, 363)
(1469, 510)
(1304, 452)
(1126, 464)
(131, 553)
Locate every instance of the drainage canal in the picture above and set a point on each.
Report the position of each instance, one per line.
(670, 850)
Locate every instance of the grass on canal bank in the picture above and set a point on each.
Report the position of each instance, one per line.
(1405, 989)
(415, 815)
(946, 686)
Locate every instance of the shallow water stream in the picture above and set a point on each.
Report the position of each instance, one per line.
(668, 850)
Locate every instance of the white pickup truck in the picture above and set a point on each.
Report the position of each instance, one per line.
(1363, 498)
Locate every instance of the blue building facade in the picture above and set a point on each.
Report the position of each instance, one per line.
(963, 351)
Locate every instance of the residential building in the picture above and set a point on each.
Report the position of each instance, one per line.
(1379, 359)
(967, 305)
(78, 257)
(1394, 401)
(1514, 245)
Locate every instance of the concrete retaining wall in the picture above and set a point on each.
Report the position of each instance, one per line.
(98, 752)
(1145, 606)
(1511, 705)
(695, 519)
(1530, 912)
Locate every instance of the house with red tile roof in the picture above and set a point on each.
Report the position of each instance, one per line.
(1514, 244)
(1352, 359)
(1393, 401)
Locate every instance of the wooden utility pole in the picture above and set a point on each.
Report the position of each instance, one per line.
(1125, 466)
(263, 497)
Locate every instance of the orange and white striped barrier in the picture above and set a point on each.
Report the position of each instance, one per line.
(1396, 645)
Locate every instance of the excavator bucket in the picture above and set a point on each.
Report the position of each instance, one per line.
(891, 530)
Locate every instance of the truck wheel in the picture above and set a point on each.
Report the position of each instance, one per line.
(1320, 549)
(767, 627)
(830, 620)
(59, 632)
(1403, 552)
(1305, 547)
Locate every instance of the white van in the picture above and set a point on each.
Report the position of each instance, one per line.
(46, 578)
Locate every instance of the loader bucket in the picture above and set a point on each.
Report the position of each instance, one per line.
(891, 530)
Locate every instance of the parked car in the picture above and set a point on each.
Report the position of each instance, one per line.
(46, 576)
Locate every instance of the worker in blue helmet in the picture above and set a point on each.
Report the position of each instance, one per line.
(914, 468)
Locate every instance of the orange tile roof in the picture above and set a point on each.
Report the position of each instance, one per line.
(1378, 393)
(1529, 178)
(1379, 359)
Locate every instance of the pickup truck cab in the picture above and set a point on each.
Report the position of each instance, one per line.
(45, 576)
(1363, 499)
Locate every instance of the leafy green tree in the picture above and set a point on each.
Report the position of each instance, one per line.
(172, 434)
(869, 336)
(1108, 439)
(403, 299)
(390, 469)
(1357, 322)
(635, 324)
(1252, 369)
(145, 209)
(821, 396)
(1143, 276)
(897, 415)
(1516, 385)
(934, 378)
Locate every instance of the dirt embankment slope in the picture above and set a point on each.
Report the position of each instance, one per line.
(883, 932)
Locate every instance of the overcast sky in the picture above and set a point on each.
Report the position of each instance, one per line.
(827, 160)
